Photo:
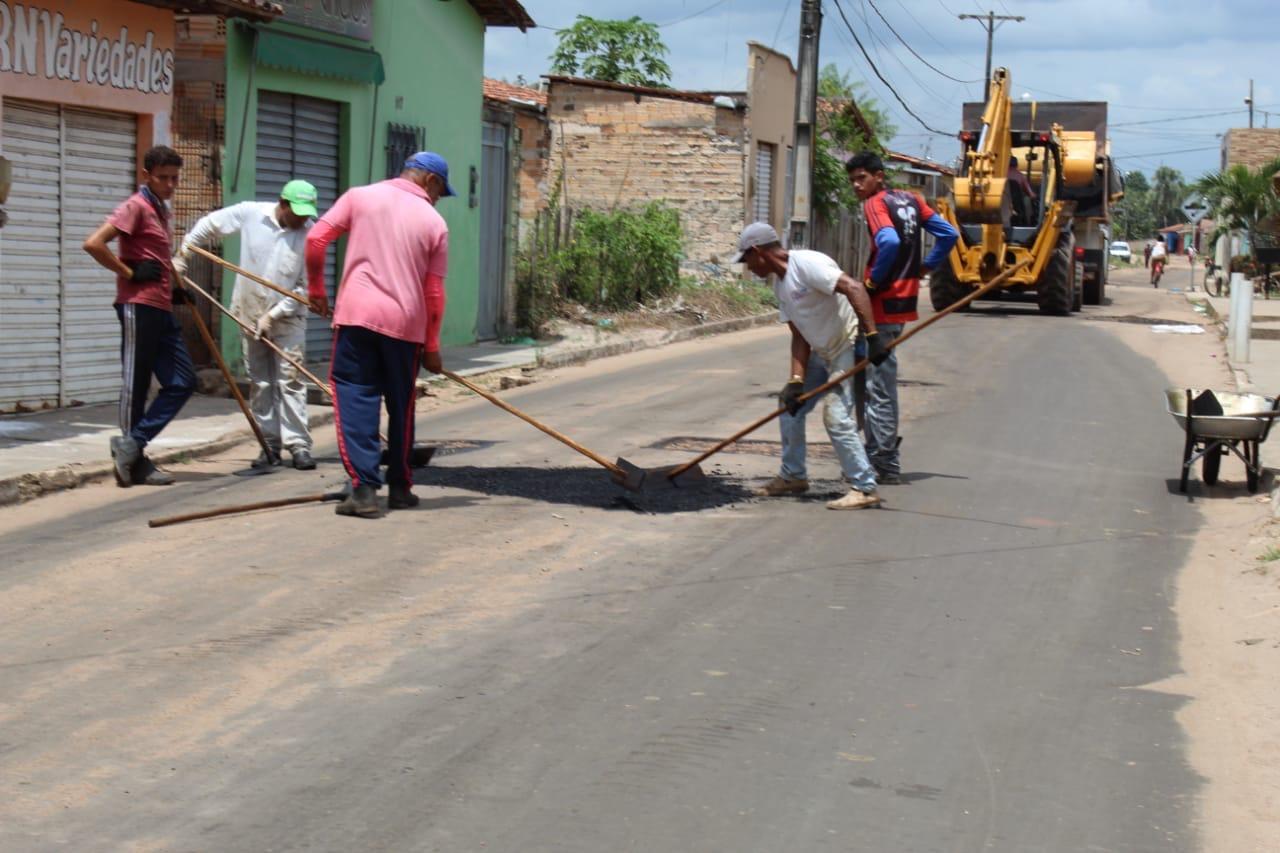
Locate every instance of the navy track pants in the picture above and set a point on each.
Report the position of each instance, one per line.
(368, 368)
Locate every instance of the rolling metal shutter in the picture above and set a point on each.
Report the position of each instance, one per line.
(99, 151)
(29, 267)
(765, 154)
(299, 138)
(59, 339)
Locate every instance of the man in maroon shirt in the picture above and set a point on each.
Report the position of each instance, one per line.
(151, 340)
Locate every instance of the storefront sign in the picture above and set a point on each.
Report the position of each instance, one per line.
(111, 54)
(352, 18)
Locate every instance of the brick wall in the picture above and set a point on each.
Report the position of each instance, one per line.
(617, 152)
(535, 162)
(1253, 147)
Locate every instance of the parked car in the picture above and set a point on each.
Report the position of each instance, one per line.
(1120, 249)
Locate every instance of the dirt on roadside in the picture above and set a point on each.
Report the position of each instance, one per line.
(1228, 612)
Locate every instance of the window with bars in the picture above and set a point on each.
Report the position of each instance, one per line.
(403, 141)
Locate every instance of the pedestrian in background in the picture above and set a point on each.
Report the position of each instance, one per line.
(390, 306)
(895, 219)
(273, 238)
(151, 339)
(1146, 254)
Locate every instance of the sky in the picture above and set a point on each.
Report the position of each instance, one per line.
(1174, 72)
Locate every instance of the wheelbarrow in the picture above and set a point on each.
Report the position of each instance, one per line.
(1218, 423)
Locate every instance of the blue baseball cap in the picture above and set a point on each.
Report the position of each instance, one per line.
(430, 161)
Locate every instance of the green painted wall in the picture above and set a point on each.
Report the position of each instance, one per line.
(433, 54)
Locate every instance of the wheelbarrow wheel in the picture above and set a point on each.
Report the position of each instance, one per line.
(1210, 464)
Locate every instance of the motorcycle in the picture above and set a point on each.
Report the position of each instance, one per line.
(1157, 270)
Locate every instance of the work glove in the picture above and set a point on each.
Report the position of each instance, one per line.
(263, 328)
(179, 262)
(145, 272)
(877, 349)
(788, 397)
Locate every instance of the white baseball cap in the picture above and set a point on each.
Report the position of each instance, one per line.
(755, 234)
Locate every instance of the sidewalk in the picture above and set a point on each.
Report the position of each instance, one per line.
(63, 448)
(1261, 374)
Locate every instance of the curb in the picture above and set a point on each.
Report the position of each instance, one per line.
(675, 336)
(1239, 374)
(25, 487)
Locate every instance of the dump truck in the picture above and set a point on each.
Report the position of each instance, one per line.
(1061, 227)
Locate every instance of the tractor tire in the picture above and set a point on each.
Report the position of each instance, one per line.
(945, 290)
(1053, 290)
(1077, 288)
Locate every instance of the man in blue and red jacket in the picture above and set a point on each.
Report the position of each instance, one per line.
(895, 219)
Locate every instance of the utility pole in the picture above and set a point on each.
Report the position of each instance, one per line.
(806, 124)
(990, 22)
(1249, 101)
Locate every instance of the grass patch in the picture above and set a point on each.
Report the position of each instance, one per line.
(1270, 555)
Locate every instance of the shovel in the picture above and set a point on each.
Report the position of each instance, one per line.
(624, 473)
(419, 455)
(679, 471)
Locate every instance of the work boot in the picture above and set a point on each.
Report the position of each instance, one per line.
(267, 460)
(362, 503)
(402, 496)
(855, 500)
(124, 455)
(302, 460)
(888, 478)
(145, 473)
(779, 486)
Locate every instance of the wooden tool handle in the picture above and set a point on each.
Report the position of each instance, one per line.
(241, 271)
(226, 373)
(232, 510)
(855, 370)
(594, 457)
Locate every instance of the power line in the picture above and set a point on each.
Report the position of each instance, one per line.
(912, 50)
(1163, 153)
(1178, 118)
(876, 70)
(778, 31)
(877, 40)
(690, 17)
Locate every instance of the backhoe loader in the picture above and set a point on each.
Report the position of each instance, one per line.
(1000, 223)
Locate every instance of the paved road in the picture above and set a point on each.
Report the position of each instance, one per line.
(534, 661)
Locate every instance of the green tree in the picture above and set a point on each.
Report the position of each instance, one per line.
(1167, 193)
(1132, 216)
(840, 133)
(1241, 198)
(629, 52)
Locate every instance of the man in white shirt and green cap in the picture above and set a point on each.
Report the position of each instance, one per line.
(273, 237)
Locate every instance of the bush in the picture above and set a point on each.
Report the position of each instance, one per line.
(612, 260)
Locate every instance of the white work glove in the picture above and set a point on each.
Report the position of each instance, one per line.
(179, 262)
(263, 329)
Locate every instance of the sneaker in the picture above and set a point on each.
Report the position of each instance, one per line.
(780, 486)
(266, 460)
(145, 473)
(401, 496)
(855, 500)
(124, 455)
(302, 460)
(362, 503)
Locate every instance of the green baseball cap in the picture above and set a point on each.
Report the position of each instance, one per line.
(301, 197)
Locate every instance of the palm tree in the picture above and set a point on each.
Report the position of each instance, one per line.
(1241, 198)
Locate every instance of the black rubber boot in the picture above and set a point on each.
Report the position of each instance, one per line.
(266, 460)
(402, 496)
(125, 453)
(302, 460)
(361, 503)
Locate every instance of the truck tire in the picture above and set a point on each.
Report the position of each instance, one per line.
(945, 290)
(1077, 288)
(1210, 465)
(1095, 291)
(1053, 290)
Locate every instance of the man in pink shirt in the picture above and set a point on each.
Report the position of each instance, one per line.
(387, 320)
(151, 339)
